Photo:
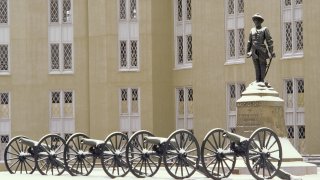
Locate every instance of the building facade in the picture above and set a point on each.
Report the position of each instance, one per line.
(100, 66)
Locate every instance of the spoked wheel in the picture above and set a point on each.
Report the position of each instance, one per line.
(50, 155)
(142, 160)
(114, 161)
(77, 158)
(264, 154)
(181, 157)
(18, 157)
(216, 155)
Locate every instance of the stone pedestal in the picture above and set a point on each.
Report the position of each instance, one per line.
(260, 106)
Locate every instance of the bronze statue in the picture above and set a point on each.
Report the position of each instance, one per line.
(257, 49)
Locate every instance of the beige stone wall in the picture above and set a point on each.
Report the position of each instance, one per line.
(97, 80)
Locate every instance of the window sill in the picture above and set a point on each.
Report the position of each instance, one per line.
(61, 73)
(182, 67)
(129, 70)
(292, 57)
(235, 61)
(4, 73)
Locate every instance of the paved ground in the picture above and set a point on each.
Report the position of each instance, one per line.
(98, 174)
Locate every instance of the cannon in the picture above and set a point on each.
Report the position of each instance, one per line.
(25, 155)
(262, 153)
(180, 153)
(81, 152)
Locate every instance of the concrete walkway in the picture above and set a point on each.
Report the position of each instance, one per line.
(98, 174)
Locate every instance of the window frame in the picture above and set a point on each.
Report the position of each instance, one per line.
(291, 12)
(186, 116)
(126, 26)
(129, 113)
(60, 13)
(6, 122)
(182, 29)
(61, 69)
(6, 72)
(239, 23)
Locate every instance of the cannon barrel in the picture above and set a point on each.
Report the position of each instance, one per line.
(234, 137)
(28, 142)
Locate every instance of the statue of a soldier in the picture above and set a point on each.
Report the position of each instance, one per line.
(257, 49)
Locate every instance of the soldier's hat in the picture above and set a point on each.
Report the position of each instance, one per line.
(257, 16)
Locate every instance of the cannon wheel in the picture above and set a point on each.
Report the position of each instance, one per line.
(50, 155)
(19, 157)
(216, 155)
(142, 160)
(264, 154)
(114, 161)
(77, 158)
(182, 152)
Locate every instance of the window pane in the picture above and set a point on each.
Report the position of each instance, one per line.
(299, 35)
(3, 11)
(230, 6)
(123, 53)
(300, 93)
(122, 9)
(189, 10)
(288, 31)
(4, 58)
(134, 53)
(67, 50)
(190, 101)
(4, 98)
(290, 131)
(54, 11)
(124, 101)
(179, 10)
(4, 105)
(66, 11)
(242, 88)
(240, 6)
(68, 105)
(241, 42)
(289, 98)
(232, 97)
(302, 132)
(54, 56)
(55, 104)
(135, 101)
(287, 2)
(180, 49)
(133, 9)
(231, 42)
(298, 1)
(181, 102)
(189, 45)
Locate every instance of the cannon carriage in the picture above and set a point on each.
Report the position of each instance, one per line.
(23, 155)
(81, 153)
(262, 153)
(180, 153)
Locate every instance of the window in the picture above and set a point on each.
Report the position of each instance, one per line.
(129, 110)
(128, 35)
(235, 39)
(184, 108)
(60, 11)
(183, 34)
(4, 12)
(294, 111)
(5, 122)
(234, 91)
(61, 57)
(4, 106)
(4, 58)
(62, 112)
(60, 32)
(292, 28)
